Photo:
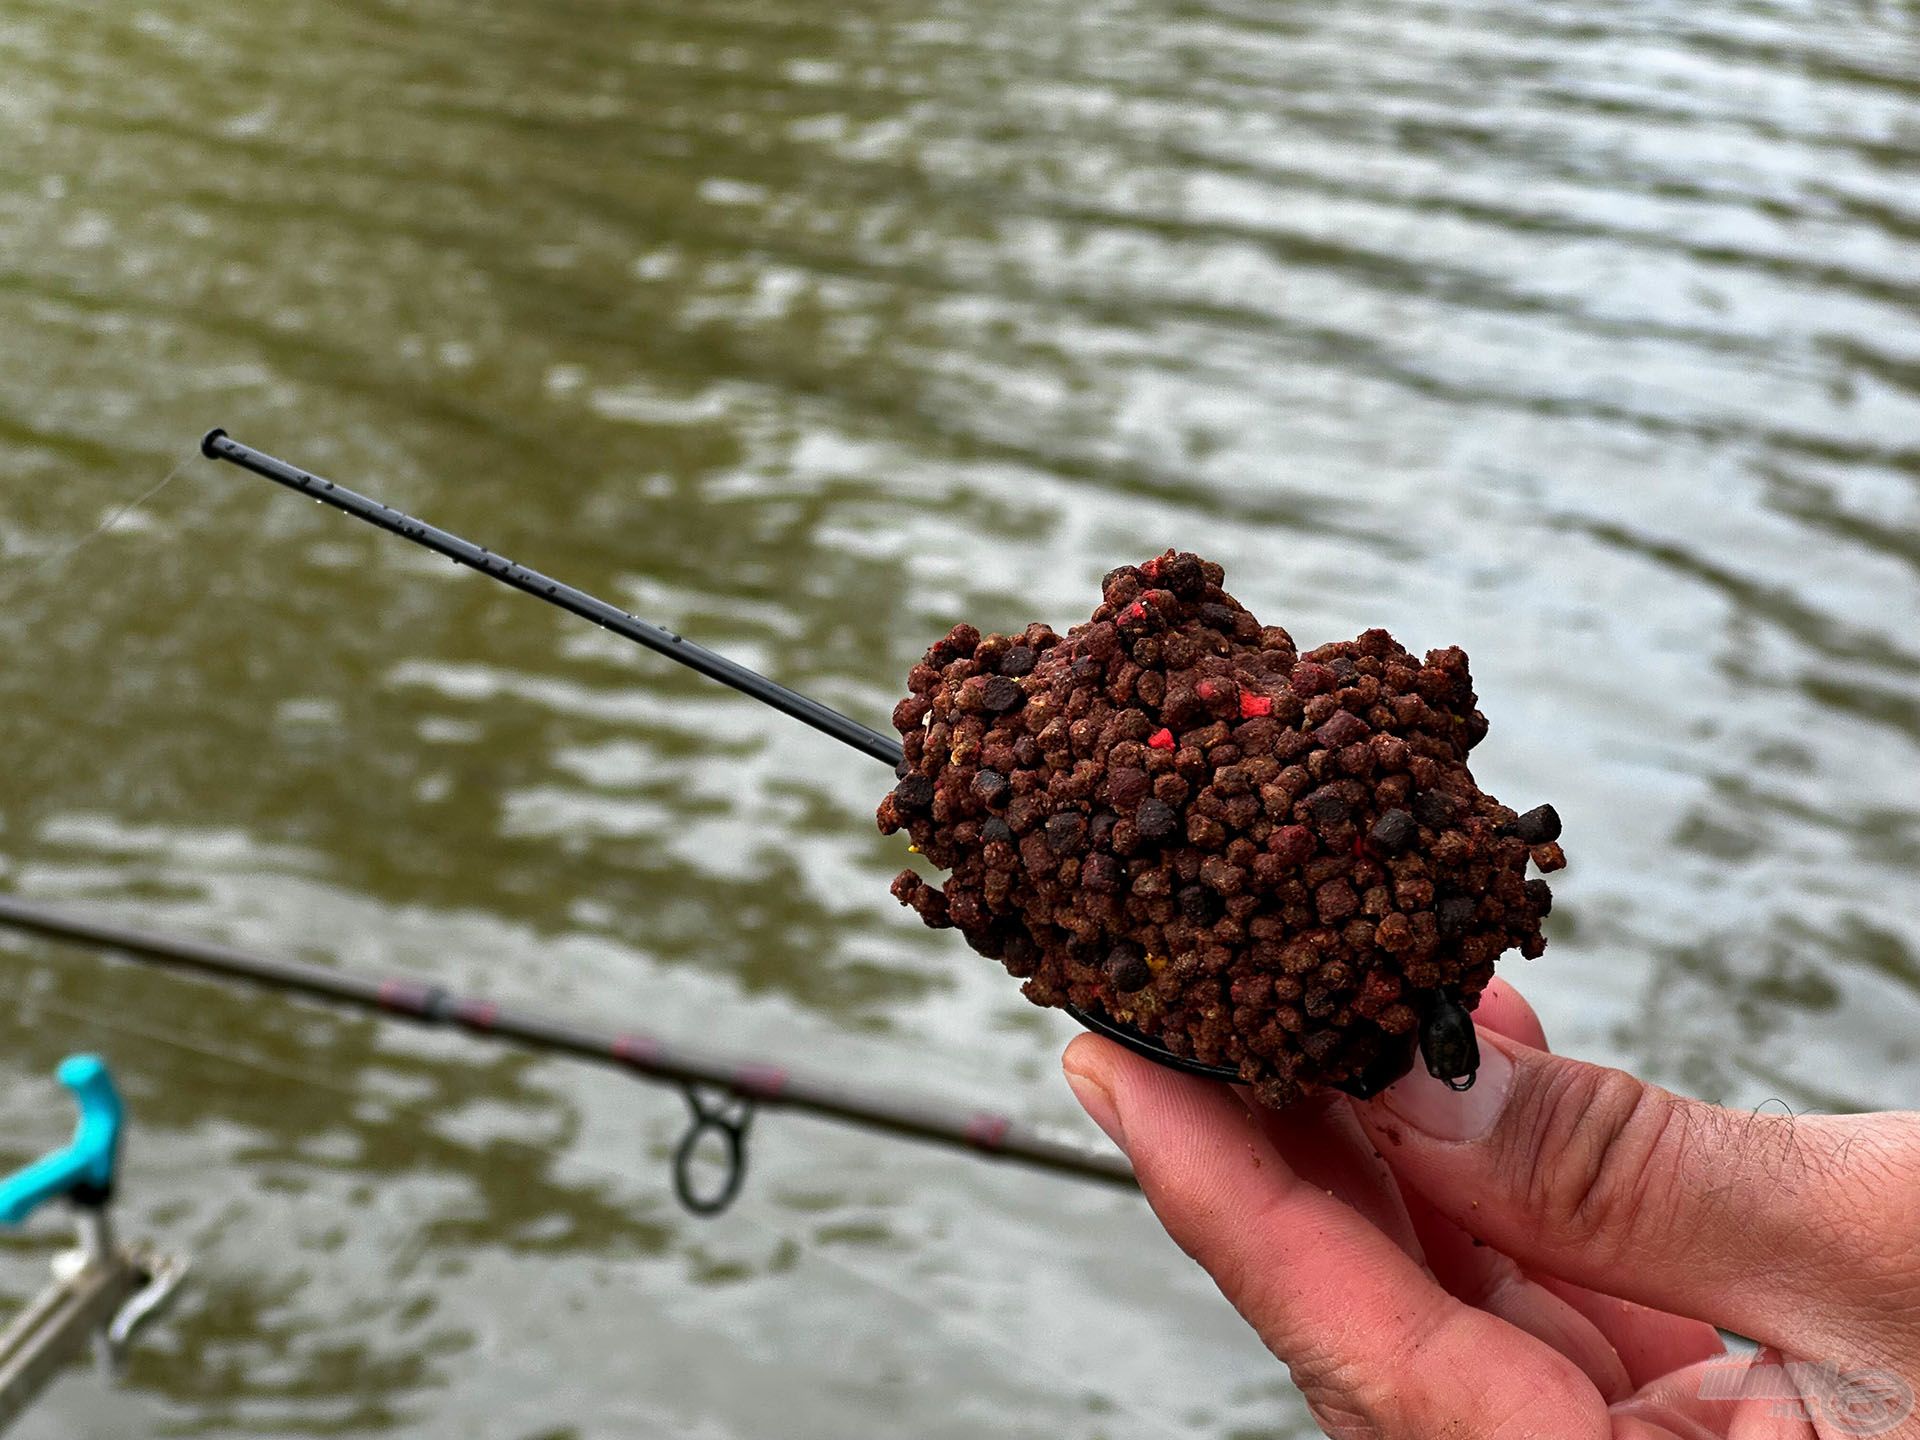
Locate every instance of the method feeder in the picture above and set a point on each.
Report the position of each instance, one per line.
(1448, 1025)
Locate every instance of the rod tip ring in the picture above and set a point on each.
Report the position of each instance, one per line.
(208, 440)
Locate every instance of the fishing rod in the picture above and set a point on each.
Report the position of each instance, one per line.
(218, 445)
(722, 1090)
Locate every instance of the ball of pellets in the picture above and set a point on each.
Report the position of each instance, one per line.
(1273, 862)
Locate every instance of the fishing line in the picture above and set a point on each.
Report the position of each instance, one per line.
(64, 554)
(1024, 1362)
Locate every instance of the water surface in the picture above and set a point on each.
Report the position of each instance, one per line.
(1582, 338)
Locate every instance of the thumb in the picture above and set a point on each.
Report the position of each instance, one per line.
(1790, 1229)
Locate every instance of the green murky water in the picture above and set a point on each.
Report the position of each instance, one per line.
(1585, 339)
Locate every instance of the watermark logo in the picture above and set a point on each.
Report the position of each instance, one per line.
(1847, 1402)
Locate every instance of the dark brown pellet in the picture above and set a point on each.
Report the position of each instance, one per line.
(1309, 679)
(1539, 826)
(1155, 818)
(914, 793)
(1392, 832)
(1342, 728)
(1001, 695)
(1327, 806)
(1127, 968)
(1199, 904)
(1067, 832)
(1101, 872)
(1455, 915)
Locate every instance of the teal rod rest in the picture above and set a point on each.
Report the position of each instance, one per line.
(84, 1169)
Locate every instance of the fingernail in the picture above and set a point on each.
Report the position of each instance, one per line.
(1098, 1103)
(1429, 1106)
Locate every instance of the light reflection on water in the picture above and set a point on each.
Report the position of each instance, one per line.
(1583, 341)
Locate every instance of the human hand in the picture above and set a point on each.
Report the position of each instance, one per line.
(1541, 1255)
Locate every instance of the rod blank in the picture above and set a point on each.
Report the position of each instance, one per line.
(218, 445)
(868, 1107)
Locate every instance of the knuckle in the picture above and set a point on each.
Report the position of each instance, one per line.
(1867, 1227)
(1599, 1142)
(1335, 1394)
(1868, 1161)
(1421, 1388)
(1395, 1394)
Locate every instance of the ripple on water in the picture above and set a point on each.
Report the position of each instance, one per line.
(1576, 338)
